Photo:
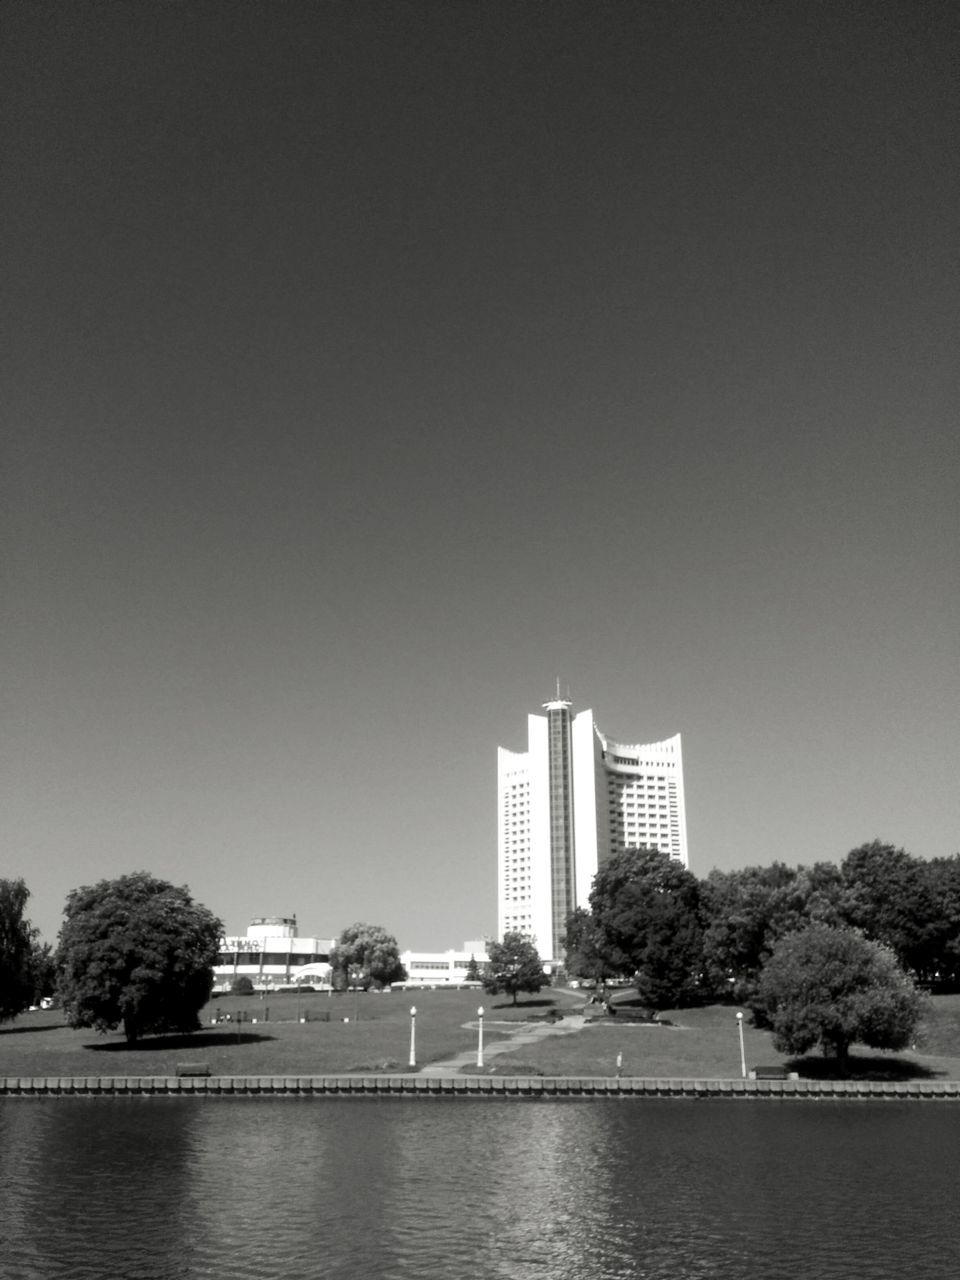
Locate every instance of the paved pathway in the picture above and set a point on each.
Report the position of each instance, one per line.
(524, 1033)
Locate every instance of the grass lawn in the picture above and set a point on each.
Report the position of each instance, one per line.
(376, 1037)
(704, 1043)
(687, 1043)
(699, 1043)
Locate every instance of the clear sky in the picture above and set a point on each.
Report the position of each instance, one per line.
(369, 365)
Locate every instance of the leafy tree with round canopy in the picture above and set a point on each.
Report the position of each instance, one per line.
(646, 908)
(368, 955)
(583, 949)
(890, 896)
(136, 952)
(745, 911)
(513, 965)
(18, 950)
(834, 987)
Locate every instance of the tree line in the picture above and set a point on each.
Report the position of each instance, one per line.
(138, 953)
(686, 938)
(27, 971)
(849, 941)
(827, 954)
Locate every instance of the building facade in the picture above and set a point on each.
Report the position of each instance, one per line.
(569, 802)
(443, 968)
(272, 955)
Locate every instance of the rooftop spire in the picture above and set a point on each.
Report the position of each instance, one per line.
(559, 700)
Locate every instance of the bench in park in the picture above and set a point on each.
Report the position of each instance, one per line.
(769, 1073)
(193, 1068)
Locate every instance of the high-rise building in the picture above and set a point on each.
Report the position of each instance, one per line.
(569, 802)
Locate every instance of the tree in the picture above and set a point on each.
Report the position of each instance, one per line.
(242, 985)
(832, 986)
(746, 911)
(473, 973)
(583, 946)
(367, 954)
(942, 877)
(513, 966)
(646, 908)
(738, 911)
(17, 946)
(43, 971)
(890, 897)
(136, 952)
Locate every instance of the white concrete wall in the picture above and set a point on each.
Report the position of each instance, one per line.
(443, 967)
(273, 927)
(586, 761)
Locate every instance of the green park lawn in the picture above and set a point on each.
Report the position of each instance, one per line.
(375, 1037)
(691, 1043)
(703, 1043)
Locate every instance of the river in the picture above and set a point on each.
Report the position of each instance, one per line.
(393, 1189)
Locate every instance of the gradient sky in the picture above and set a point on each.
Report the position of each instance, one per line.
(368, 366)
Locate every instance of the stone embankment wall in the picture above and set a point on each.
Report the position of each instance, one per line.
(460, 1086)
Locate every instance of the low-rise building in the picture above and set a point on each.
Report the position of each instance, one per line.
(272, 954)
(443, 968)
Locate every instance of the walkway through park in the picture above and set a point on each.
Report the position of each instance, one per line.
(521, 1033)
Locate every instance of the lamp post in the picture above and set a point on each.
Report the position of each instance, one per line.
(413, 1035)
(480, 1036)
(355, 975)
(743, 1057)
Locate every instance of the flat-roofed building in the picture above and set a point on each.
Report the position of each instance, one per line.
(272, 954)
(443, 968)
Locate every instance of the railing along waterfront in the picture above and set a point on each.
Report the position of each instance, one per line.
(461, 1086)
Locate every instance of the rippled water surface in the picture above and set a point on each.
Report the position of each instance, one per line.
(165, 1188)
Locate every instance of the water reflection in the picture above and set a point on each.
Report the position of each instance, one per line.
(549, 1167)
(390, 1188)
(97, 1189)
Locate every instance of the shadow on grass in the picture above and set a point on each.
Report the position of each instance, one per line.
(524, 1004)
(861, 1067)
(634, 1004)
(20, 1031)
(639, 1017)
(200, 1040)
(629, 1010)
(384, 1066)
